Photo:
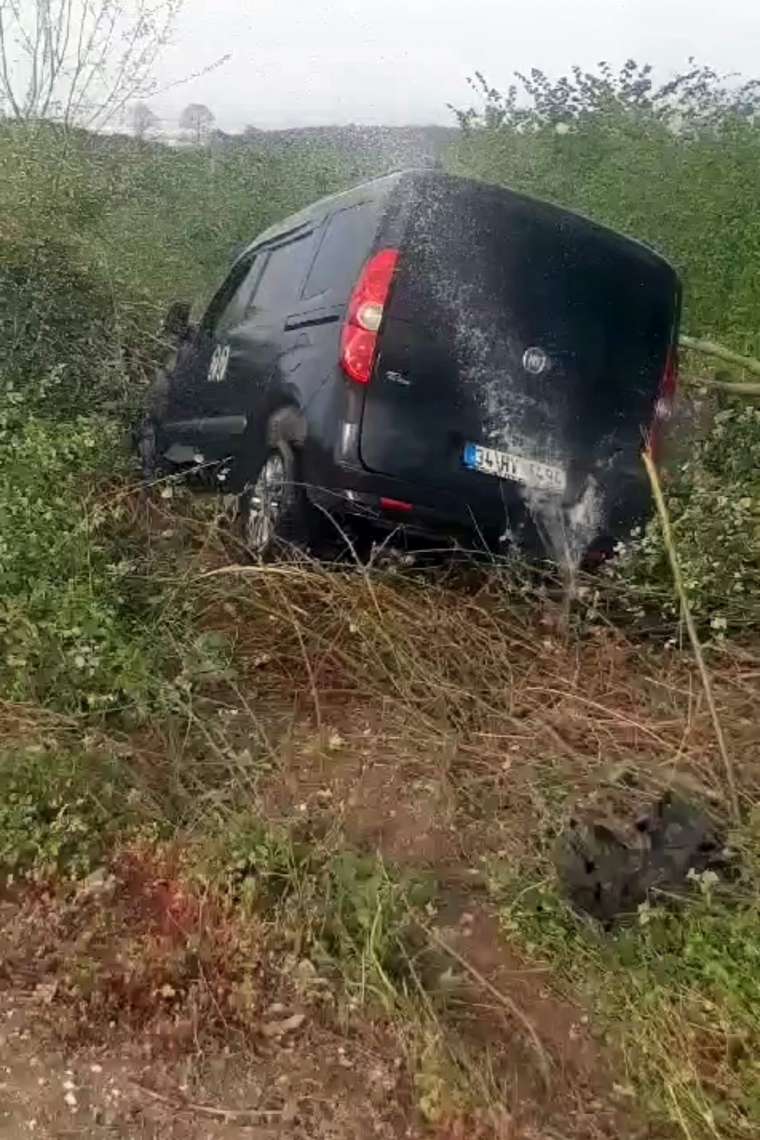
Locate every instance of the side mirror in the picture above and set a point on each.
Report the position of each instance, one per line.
(176, 323)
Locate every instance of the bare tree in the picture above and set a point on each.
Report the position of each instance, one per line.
(142, 120)
(197, 120)
(80, 61)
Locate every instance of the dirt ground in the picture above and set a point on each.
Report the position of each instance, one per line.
(320, 1088)
(103, 1036)
(155, 1069)
(133, 1009)
(311, 1081)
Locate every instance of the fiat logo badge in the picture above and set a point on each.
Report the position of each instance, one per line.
(535, 361)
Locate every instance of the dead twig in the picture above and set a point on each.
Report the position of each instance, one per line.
(691, 628)
(720, 352)
(712, 348)
(503, 999)
(228, 1115)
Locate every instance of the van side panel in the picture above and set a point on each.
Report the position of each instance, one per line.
(309, 372)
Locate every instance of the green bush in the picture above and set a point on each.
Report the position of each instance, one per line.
(714, 503)
(674, 166)
(70, 636)
(60, 310)
(56, 315)
(59, 811)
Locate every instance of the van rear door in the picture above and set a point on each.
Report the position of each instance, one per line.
(519, 329)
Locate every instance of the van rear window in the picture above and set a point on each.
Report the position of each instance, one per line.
(345, 246)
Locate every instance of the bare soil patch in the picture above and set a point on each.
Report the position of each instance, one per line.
(135, 1007)
(129, 1011)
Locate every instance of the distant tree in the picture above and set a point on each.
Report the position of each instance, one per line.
(142, 120)
(197, 120)
(80, 61)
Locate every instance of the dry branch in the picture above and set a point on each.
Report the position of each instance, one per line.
(228, 1115)
(691, 628)
(504, 1000)
(731, 387)
(720, 352)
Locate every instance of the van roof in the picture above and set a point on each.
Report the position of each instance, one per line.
(382, 187)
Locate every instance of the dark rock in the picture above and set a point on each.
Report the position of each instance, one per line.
(608, 877)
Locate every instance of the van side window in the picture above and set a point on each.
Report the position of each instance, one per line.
(345, 246)
(283, 274)
(231, 301)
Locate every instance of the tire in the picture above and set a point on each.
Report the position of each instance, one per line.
(157, 397)
(147, 450)
(146, 434)
(272, 509)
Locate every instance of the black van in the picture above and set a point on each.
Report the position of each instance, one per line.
(432, 354)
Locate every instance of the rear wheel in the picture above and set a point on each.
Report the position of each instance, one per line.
(146, 434)
(147, 450)
(272, 510)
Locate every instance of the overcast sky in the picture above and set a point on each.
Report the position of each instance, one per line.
(305, 62)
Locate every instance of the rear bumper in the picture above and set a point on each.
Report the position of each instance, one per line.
(391, 504)
(385, 503)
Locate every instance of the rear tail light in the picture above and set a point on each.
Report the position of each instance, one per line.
(395, 505)
(663, 409)
(358, 349)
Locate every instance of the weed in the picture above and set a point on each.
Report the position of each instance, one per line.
(438, 1081)
(59, 811)
(367, 927)
(260, 864)
(713, 500)
(347, 912)
(678, 994)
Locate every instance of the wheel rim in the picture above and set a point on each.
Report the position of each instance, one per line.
(265, 501)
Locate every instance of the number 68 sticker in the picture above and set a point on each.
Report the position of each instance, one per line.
(219, 364)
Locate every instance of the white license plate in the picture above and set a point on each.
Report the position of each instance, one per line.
(529, 472)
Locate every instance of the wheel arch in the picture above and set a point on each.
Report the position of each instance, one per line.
(287, 424)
